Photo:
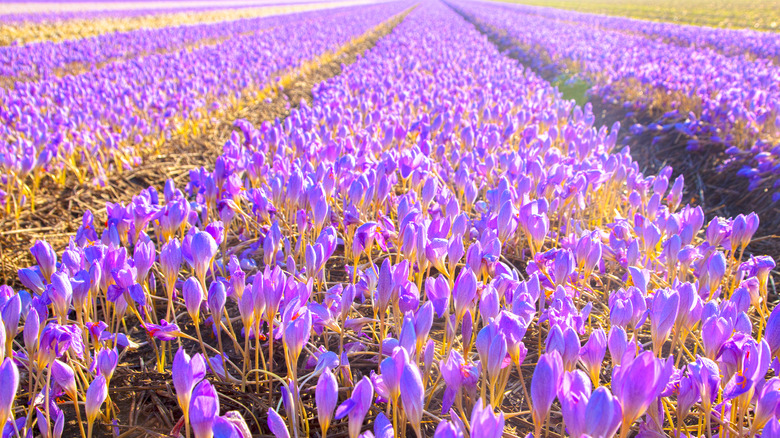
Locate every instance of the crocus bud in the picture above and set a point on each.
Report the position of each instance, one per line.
(170, 262)
(96, 395)
(277, 425)
(485, 423)
(326, 396)
(203, 410)
(637, 383)
(706, 376)
(544, 385)
(412, 395)
(9, 375)
(592, 354)
(384, 287)
(357, 406)
(772, 331)
(447, 429)
(45, 257)
(186, 372)
(617, 343)
(193, 297)
(666, 303)
(464, 291)
(60, 293)
(603, 414)
(106, 361)
(203, 248)
(382, 427)
(31, 280)
(31, 330)
(217, 299)
(297, 330)
(64, 376)
(768, 400)
(143, 256)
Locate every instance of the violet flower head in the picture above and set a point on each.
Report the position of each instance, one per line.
(45, 257)
(772, 331)
(9, 375)
(106, 361)
(447, 429)
(485, 423)
(357, 406)
(666, 303)
(706, 376)
(464, 292)
(637, 383)
(186, 372)
(603, 414)
(412, 395)
(203, 409)
(203, 248)
(277, 425)
(592, 354)
(193, 292)
(326, 396)
(544, 384)
(382, 427)
(96, 395)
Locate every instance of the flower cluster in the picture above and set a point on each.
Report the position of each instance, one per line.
(698, 83)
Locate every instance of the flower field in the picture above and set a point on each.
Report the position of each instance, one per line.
(381, 220)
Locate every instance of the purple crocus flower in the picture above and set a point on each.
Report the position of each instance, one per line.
(544, 385)
(412, 395)
(186, 372)
(60, 292)
(464, 292)
(65, 378)
(592, 354)
(203, 248)
(392, 369)
(637, 383)
(9, 375)
(106, 361)
(382, 427)
(163, 331)
(277, 425)
(603, 414)
(573, 393)
(297, 330)
(663, 313)
(485, 423)
(326, 396)
(203, 409)
(45, 257)
(357, 406)
(96, 395)
(447, 429)
(438, 292)
(772, 331)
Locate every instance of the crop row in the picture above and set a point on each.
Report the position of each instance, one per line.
(717, 101)
(439, 241)
(43, 59)
(761, 15)
(96, 122)
(731, 42)
(23, 29)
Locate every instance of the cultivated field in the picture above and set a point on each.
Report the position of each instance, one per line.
(739, 14)
(377, 219)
